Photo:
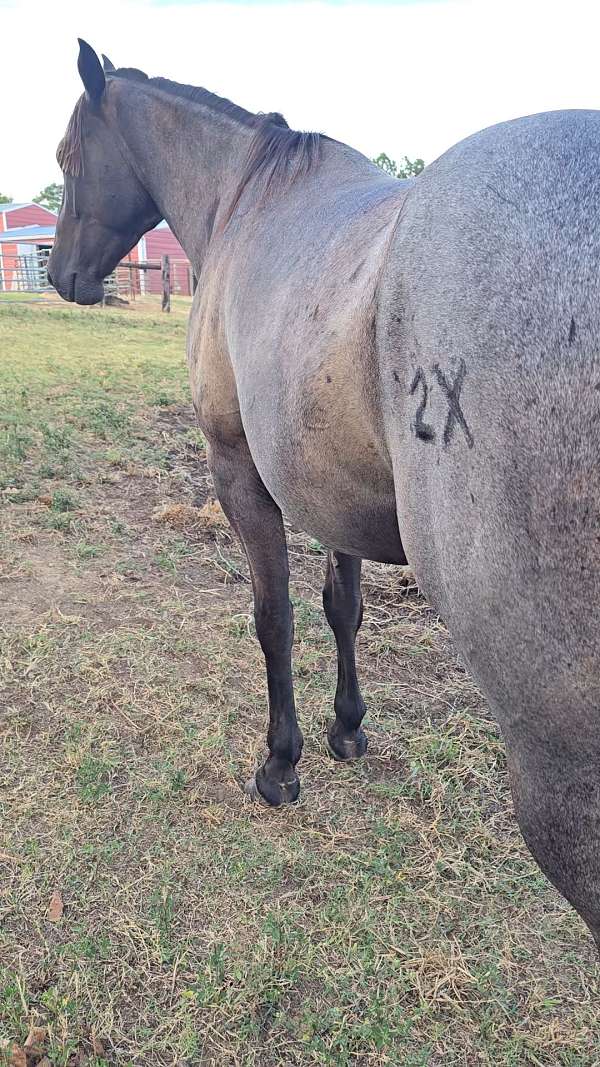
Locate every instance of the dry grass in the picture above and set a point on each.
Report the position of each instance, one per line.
(184, 517)
(150, 914)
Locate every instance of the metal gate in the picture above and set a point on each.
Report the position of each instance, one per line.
(25, 271)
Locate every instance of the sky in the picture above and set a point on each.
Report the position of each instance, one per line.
(400, 76)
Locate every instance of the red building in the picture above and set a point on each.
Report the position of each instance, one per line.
(163, 242)
(24, 229)
(15, 216)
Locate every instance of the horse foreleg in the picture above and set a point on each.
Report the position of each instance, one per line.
(342, 600)
(258, 523)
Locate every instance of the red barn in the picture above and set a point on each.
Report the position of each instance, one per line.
(25, 230)
(163, 242)
(15, 216)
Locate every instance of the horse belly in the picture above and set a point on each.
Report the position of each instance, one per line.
(347, 509)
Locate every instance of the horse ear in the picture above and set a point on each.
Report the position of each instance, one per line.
(108, 66)
(90, 71)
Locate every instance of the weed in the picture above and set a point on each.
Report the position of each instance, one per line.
(14, 442)
(22, 496)
(46, 470)
(104, 419)
(56, 439)
(84, 550)
(58, 521)
(63, 500)
(93, 778)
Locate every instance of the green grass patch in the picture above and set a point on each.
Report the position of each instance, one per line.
(392, 917)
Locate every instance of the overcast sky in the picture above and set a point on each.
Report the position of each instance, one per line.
(401, 76)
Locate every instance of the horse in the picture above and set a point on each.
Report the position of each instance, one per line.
(409, 371)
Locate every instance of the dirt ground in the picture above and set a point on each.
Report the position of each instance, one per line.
(150, 914)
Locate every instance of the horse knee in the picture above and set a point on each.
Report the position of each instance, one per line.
(274, 626)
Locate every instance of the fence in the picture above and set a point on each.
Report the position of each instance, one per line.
(140, 271)
(28, 273)
(145, 276)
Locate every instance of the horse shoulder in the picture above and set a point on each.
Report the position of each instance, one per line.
(212, 380)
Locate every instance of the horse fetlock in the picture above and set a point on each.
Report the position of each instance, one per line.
(285, 743)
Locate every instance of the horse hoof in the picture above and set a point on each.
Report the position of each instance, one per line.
(272, 794)
(344, 749)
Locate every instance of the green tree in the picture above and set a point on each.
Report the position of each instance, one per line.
(50, 197)
(5, 199)
(408, 168)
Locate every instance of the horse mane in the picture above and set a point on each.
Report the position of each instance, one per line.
(197, 95)
(68, 153)
(276, 153)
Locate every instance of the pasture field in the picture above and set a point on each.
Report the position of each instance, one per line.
(150, 914)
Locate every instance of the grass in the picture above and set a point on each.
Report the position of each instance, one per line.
(393, 916)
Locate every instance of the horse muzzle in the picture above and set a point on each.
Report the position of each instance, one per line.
(87, 290)
(78, 288)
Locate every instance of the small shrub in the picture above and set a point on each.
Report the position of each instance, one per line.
(63, 500)
(56, 439)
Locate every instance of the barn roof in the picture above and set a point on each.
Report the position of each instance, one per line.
(13, 206)
(45, 230)
(19, 233)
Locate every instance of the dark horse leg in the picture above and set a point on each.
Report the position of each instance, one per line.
(343, 605)
(257, 521)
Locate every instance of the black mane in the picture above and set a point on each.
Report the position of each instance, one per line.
(276, 153)
(188, 92)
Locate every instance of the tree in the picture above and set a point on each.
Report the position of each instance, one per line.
(409, 168)
(5, 199)
(50, 197)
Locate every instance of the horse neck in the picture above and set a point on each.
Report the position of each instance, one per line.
(186, 155)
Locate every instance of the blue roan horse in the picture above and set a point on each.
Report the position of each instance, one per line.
(406, 370)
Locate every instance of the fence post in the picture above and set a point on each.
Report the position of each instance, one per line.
(166, 283)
